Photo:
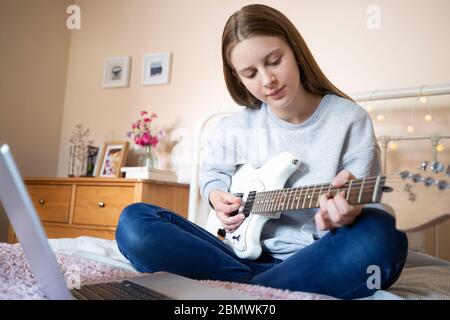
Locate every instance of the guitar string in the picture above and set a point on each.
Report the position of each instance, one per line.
(354, 186)
(314, 188)
(291, 194)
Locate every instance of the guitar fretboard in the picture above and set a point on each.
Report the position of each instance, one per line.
(359, 191)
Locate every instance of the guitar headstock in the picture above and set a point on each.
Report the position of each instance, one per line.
(420, 198)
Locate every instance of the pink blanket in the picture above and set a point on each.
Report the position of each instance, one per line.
(17, 281)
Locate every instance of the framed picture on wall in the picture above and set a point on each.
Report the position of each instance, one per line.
(156, 69)
(113, 158)
(117, 72)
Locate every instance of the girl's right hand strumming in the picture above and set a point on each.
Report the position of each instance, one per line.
(225, 204)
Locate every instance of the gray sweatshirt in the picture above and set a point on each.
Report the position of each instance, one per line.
(339, 135)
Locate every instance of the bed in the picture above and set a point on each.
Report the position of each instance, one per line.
(85, 260)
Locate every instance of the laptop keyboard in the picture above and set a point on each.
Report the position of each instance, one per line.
(125, 290)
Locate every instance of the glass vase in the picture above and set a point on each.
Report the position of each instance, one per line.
(148, 159)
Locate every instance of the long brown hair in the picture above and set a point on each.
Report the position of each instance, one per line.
(262, 20)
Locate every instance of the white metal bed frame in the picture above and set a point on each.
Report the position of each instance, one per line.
(434, 90)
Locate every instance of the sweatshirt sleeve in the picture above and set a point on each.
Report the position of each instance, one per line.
(219, 164)
(361, 153)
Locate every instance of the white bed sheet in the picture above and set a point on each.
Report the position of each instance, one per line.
(424, 277)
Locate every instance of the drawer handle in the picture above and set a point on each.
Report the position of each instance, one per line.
(41, 201)
(101, 204)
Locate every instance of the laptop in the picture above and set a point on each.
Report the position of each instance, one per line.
(28, 228)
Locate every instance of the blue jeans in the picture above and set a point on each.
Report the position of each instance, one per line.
(156, 239)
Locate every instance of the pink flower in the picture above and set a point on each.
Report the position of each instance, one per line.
(141, 132)
(154, 141)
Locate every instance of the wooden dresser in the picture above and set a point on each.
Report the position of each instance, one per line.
(73, 207)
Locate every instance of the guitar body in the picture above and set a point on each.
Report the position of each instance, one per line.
(245, 240)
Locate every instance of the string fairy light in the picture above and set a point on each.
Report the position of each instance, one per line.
(424, 100)
(393, 146)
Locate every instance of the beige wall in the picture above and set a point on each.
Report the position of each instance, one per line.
(408, 50)
(33, 61)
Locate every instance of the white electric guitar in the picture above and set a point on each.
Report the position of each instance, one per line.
(419, 199)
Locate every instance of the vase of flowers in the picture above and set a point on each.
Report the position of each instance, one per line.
(142, 134)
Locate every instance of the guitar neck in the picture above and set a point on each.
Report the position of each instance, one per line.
(358, 191)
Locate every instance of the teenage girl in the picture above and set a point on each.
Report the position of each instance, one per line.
(340, 250)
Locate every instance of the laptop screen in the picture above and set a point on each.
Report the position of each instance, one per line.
(27, 226)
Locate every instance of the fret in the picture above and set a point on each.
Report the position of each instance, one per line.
(329, 189)
(312, 197)
(256, 204)
(293, 198)
(318, 197)
(275, 196)
(279, 202)
(286, 198)
(305, 196)
(266, 202)
(349, 189)
(361, 190)
(272, 202)
(289, 194)
(263, 199)
(375, 191)
(292, 201)
(283, 199)
(299, 197)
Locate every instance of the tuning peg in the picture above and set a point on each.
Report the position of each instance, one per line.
(442, 184)
(404, 174)
(423, 165)
(436, 167)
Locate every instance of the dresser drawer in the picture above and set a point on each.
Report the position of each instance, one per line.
(101, 205)
(52, 202)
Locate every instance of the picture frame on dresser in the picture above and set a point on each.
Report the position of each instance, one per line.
(113, 157)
